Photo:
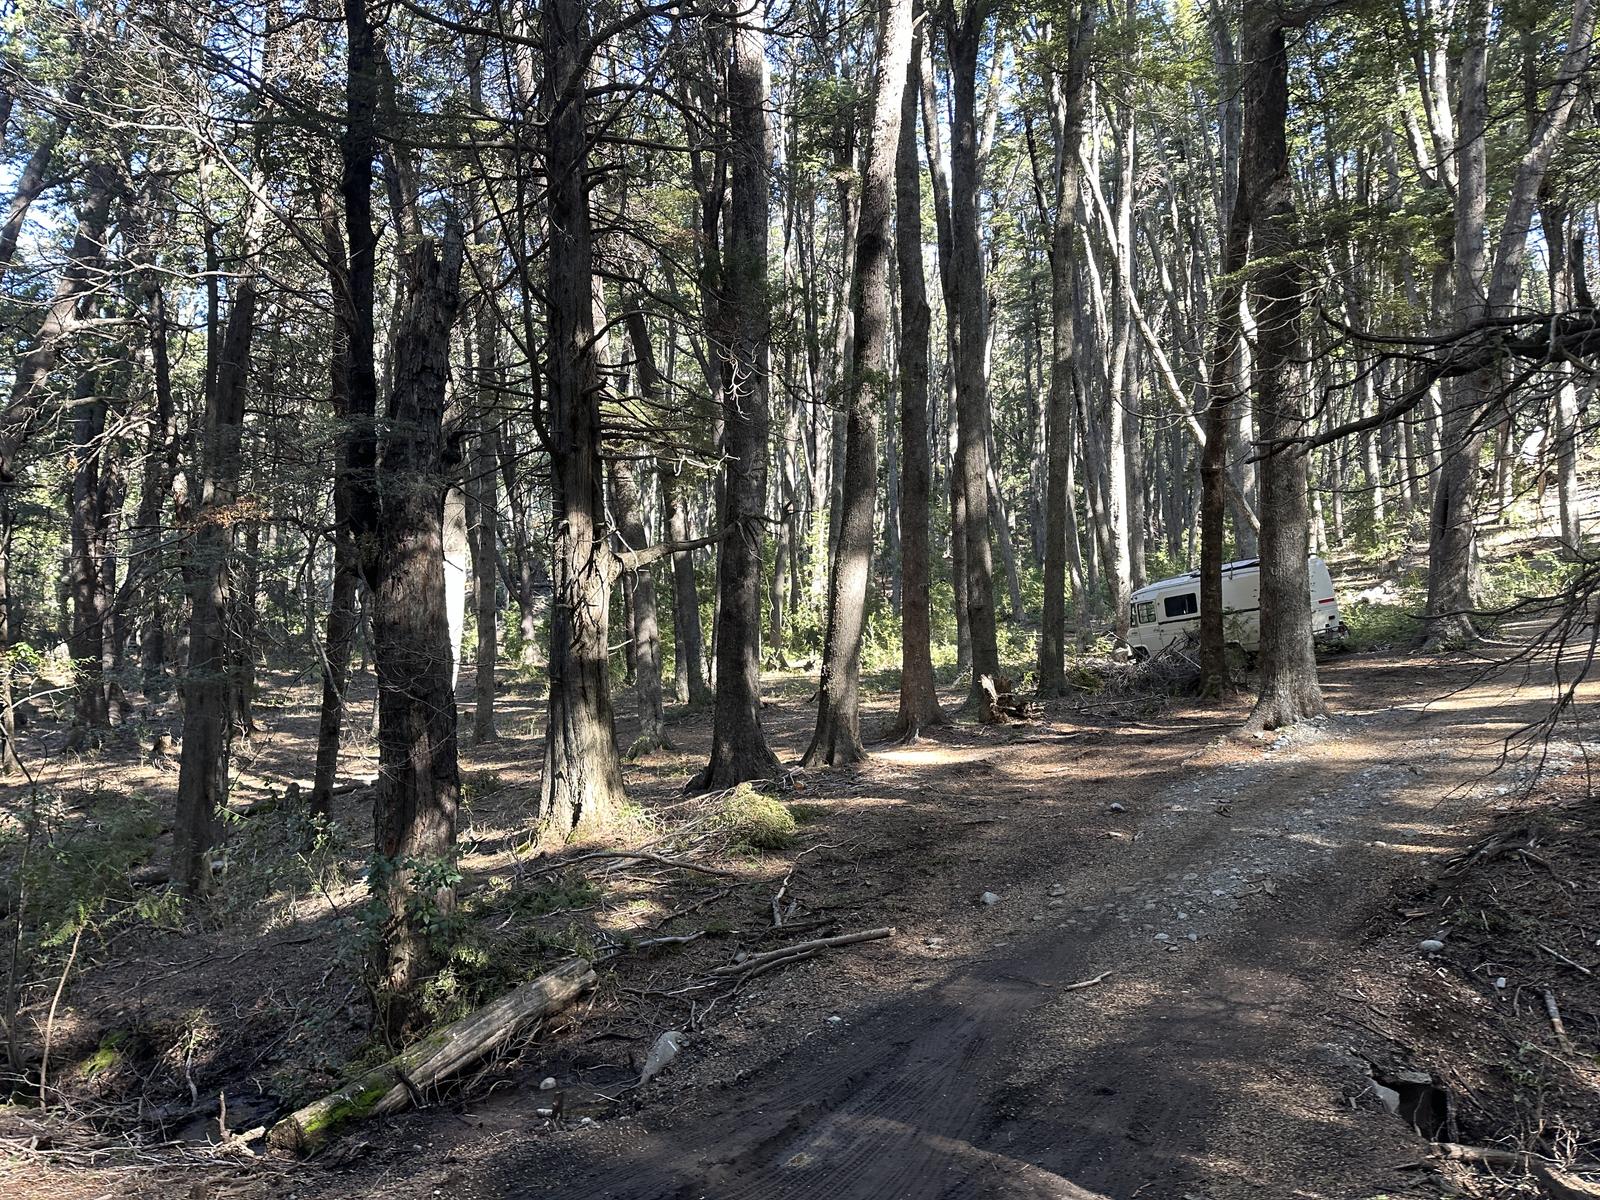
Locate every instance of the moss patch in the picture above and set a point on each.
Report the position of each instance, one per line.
(755, 821)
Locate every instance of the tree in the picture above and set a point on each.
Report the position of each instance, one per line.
(419, 784)
(739, 748)
(1067, 86)
(1484, 290)
(582, 781)
(838, 734)
(964, 27)
(919, 695)
(1289, 690)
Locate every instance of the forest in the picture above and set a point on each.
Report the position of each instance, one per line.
(799, 597)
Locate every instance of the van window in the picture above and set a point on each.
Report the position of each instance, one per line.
(1182, 605)
(1147, 611)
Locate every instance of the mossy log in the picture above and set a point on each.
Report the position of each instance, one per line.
(408, 1076)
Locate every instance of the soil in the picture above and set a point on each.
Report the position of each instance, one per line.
(1243, 918)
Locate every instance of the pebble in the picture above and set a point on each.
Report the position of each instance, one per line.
(836, 1019)
(546, 1084)
(988, 898)
(1058, 890)
(1430, 945)
(1115, 807)
(1163, 937)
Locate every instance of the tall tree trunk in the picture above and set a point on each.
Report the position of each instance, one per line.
(486, 541)
(739, 748)
(86, 521)
(628, 506)
(29, 392)
(582, 784)
(209, 677)
(419, 786)
(1484, 290)
(1222, 391)
(837, 738)
(1067, 122)
(530, 570)
(919, 695)
(342, 616)
(1289, 688)
(965, 39)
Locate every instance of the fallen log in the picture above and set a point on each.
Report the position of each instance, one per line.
(407, 1077)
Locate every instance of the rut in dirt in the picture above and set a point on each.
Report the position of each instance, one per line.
(995, 1082)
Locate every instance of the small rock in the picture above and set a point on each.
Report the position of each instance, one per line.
(1500, 982)
(1430, 945)
(663, 1052)
(988, 898)
(1115, 807)
(586, 1121)
(1058, 890)
(1194, 937)
(545, 1112)
(1183, 916)
(1163, 937)
(1388, 1097)
(836, 1019)
(547, 1083)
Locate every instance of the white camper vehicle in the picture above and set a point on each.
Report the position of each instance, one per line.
(1168, 611)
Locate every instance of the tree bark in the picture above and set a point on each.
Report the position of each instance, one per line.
(739, 748)
(919, 695)
(419, 784)
(628, 506)
(965, 39)
(1289, 688)
(582, 784)
(486, 541)
(837, 739)
(1068, 86)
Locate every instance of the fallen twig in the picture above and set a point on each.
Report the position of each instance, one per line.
(1086, 983)
(799, 949)
(1560, 957)
(1554, 1012)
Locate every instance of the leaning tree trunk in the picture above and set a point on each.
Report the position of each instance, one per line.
(419, 786)
(739, 748)
(837, 738)
(1058, 404)
(1289, 688)
(582, 783)
(919, 694)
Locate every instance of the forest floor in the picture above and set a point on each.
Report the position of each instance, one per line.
(1252, 913)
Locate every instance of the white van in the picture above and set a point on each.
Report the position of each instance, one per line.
(1167, 611)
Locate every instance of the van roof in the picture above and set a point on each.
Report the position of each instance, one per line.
(1161, 585)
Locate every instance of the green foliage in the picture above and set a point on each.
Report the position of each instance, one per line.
(1380, 626)
(1509, 581)
(755, 821)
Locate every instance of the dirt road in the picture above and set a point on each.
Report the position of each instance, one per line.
(1221, 888)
